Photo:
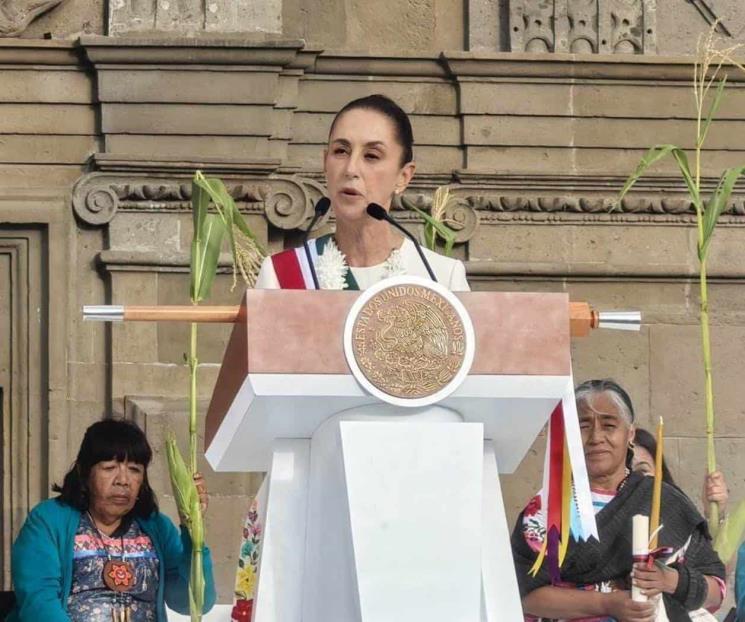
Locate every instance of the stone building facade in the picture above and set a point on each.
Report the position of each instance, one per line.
(533, 111)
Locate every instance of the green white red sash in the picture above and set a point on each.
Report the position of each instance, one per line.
(293, 268)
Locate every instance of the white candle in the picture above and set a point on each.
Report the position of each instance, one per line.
(640, 548)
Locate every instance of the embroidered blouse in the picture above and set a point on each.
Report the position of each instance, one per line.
(90, 600)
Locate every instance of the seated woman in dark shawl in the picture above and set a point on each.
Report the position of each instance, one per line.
(596, 575)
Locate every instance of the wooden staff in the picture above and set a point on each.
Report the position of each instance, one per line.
(582, 318)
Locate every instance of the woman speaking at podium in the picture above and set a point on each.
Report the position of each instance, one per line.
(369, 159)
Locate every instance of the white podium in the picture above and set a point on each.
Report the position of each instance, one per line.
(378, 513)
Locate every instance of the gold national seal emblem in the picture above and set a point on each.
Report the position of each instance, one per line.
(408, 341)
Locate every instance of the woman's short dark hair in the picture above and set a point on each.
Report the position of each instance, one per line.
(643, 438)
(387, 107)
(110, 439)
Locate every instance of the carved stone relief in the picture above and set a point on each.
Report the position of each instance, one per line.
(583, 26)
(190, 17)
(16, 15)
(287, 202)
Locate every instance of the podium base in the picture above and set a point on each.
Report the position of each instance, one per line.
(381, 519)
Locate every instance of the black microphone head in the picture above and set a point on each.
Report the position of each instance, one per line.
(322, 206)
(377, 212)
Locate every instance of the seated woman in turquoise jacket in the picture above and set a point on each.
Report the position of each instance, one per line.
(101, 551)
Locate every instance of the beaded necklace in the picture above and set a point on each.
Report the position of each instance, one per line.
(119, 577)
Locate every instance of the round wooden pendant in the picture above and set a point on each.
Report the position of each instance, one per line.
(119, 575)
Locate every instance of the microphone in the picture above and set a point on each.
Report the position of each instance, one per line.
(321, 208)
(379, 213)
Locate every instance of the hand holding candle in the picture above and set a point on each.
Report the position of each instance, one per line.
(640, 549)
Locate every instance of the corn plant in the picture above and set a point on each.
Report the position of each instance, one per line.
(436, 225)
(210, 231)
(709, 82)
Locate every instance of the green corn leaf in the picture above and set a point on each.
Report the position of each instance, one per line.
(717, 204)
(712, 110)
(693, 190)
(729, 534)
(199, 205)
(232, 218)
(209, 251)
(441, 229)
(654, 155)
(182, 483)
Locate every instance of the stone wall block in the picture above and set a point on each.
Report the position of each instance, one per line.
(618, 355)
(584, 161)
(288, 86)
(86, 383)
(313, 128)
(172, 146)
(131, 16)
(173, 337)
(660, 301)
(564, 131)
(189, 87)
(25, 175)
(134, 342)
(668, 102)
(182, 16)
(677, 379)
(187, 119)
(627, 251)
(47, 149)
(429, 159)
(144, 232)
(418, 97)
(166, 379)
(243, 16)
(88, 342)
(49, 119)
(484, 33)
(725, 303)
(687, 462)
(726, 253)
(524, 245)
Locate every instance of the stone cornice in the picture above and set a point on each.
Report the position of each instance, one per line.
(291, 54)
(126, 185)
(160, 50)
(39, 52)
(480, 65)
(286, 200)
(183, 166)
(345, 63)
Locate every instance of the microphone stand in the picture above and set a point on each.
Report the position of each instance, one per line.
(379, 213)
(320, 210)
